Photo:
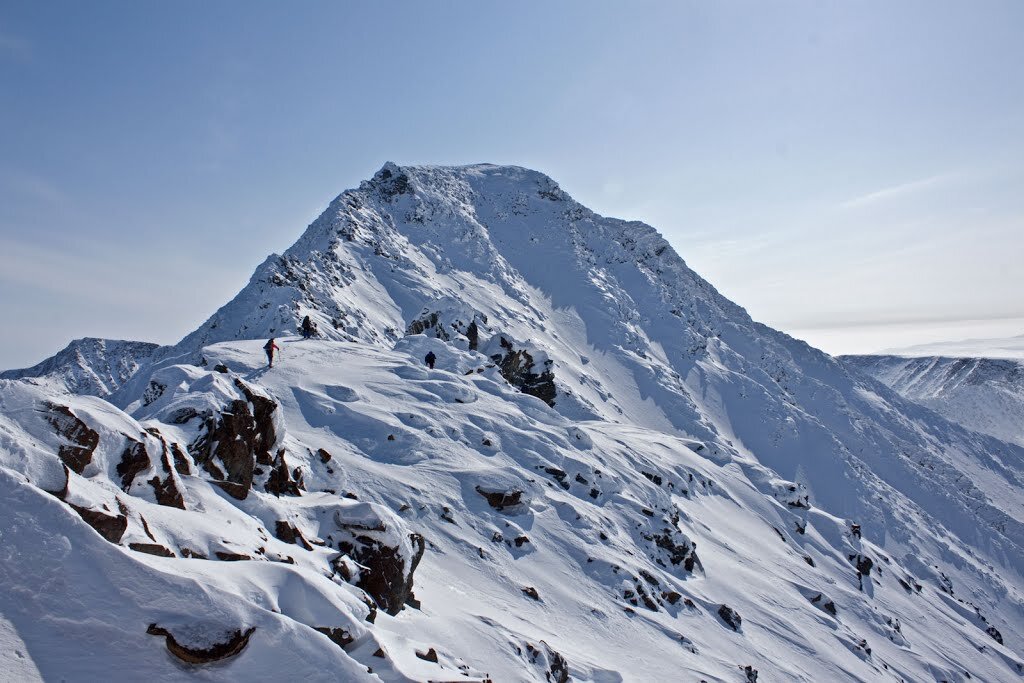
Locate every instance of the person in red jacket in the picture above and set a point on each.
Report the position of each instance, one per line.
(270, 347)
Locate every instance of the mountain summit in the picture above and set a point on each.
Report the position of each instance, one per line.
(612, 473)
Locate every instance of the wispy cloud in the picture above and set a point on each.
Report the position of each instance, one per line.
(30, 185)
(897, 191)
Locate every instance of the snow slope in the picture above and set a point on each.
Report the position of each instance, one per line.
(694, 466)
(983, 394)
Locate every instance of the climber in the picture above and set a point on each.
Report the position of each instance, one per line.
(430, 359)
(269, 347)
(308, 328)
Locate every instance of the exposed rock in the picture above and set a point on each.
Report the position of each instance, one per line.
(239, 438)
(231, 557)
(556, 668)
(531, 592)
(82, 441)
(675, 546)
(995, 634)
(519, 368)
(499, 500)
(338, 636)
(290, 534)
(749, 673)
(151, 549)
(134, 459)
(430, 655)
(282, 481)
(385, 575)
(823, 603)
(230, 647)
(110, 527)
(730, 617)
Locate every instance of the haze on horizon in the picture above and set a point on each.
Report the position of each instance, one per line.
(848, 172)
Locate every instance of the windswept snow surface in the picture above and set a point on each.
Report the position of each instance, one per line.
(705, 495)
(983, 394)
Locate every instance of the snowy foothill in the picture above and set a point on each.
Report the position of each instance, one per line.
(611, 474)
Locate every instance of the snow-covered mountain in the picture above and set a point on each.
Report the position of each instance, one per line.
(612, 473)
(96, 367)
(983, 394)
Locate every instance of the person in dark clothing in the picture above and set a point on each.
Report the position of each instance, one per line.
(308, 328)
(430, 359)
(270, 347)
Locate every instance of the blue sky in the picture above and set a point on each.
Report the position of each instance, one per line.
(834, 167)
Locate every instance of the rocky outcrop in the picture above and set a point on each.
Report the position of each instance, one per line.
(109, 526)
(134, 460)
(730, 617)
(81, 441)
(531, 373)
(228, 645)
(499, 500)
(387, 556)
(233, 442)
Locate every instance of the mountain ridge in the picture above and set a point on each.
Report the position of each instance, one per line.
(680, 434)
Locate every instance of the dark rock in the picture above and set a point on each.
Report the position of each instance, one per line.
(520, 540)
(230, 557)
(110, 527)
(518, 368)
(385, 577)
(749, 673)
(290, 534)
(282, 481)
(239, 438)
(221, 368)
(995, 634)
(730, 617)
(151, 549)
(134, 459)
(499, 500)
(653, 477)
(531, 592)
(380, 653)
(82, 441)
(167, 493)
(338, 636)
(430, 655)
(216, 652)
(236, 491)
(195, 554)
(325, 457)
(671, 597)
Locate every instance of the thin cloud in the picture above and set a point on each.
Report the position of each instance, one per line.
(896, 191)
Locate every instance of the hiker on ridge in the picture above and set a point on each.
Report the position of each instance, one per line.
(269, 347)
(430, 359)
(308, 328)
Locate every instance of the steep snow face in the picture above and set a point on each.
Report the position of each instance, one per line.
(983, 394)
(93, 367)
(699, 493)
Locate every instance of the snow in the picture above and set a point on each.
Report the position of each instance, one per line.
(983, 394)
(693, 459)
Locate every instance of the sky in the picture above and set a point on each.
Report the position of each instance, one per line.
(849, 172)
